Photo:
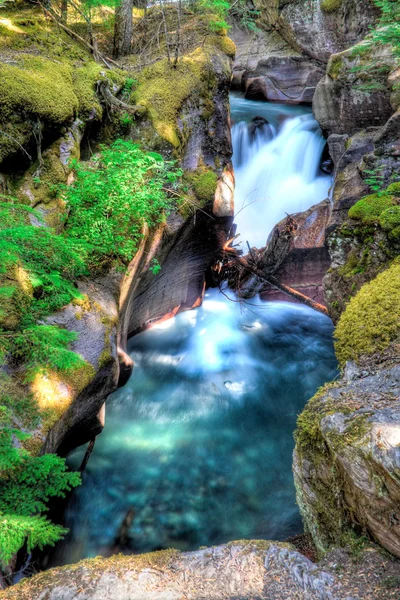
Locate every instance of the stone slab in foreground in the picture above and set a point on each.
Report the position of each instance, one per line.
(256, 570)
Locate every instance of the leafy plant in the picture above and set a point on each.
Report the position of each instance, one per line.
(113, 199)
(244, 13)
(155, 266)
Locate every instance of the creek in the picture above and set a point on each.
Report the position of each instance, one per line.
(198, 444)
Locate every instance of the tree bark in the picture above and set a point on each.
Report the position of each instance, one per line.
(123, 29)
(64, 11)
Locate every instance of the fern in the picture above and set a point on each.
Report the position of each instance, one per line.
(114, 197)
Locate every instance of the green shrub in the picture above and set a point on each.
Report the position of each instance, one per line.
(27, 483)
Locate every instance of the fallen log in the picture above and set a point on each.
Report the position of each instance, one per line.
(271, 280)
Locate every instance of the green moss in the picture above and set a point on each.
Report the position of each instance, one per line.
(84, 80)
(371, 320)
(330, 5)
(227, 46)
(394, 189)
(389, 220)
(308, 435)
(334, 68)
(203, 182)
(369, 208)
(38, 86)
(162, 90)
(39, 184)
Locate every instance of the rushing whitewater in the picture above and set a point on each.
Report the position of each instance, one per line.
(276, 168)
(197, 446)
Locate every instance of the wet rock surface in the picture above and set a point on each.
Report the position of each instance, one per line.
(303, 258)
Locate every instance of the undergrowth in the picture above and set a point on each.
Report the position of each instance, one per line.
(113, 197)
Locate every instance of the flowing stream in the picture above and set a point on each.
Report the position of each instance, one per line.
(197, 446)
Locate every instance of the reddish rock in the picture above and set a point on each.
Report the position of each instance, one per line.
(308, 259)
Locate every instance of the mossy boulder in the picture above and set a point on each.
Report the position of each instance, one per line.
(329, 6)
(371, 320)
(346, 461)
(38, 86)
(163, 89)
(368, 209)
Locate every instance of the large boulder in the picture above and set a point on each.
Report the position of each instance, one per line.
(347, 459)
(350, 97)
(324, 27)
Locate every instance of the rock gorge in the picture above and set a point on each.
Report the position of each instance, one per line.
(343, 254)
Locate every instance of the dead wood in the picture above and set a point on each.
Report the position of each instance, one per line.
(111, 100)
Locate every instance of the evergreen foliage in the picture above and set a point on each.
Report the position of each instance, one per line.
(27, 483)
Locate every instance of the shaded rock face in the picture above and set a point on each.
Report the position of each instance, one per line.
(267, 68)
(350, 98)
(291, 79)
(321, 33)
(185, 257)
(258, 570)
(97, 344)
(347, 470)
(305, 257)
(274, 63)
(358, 253)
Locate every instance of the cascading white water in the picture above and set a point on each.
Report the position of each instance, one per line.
(277, 172)
(198, 444)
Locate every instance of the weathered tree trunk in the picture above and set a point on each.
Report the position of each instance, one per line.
(64, 11)
(178, 34)
(123, 29)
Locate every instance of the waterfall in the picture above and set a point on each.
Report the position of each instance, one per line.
(277, 171)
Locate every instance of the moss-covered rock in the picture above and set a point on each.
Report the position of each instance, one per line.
(371, 320)
(38, 86)
(369, 208)
(345, 464)
(163, 89)
(204, 183)
(389, 220)
(329, 6)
